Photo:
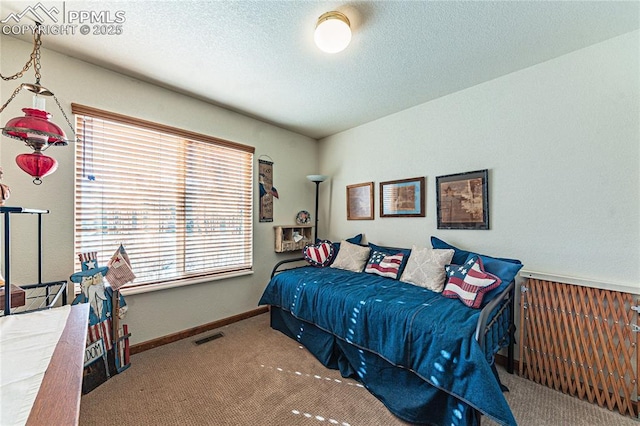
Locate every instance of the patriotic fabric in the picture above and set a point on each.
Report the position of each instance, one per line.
(469, 282)
(120, 272)
(384, 264)
(320, 254)
(101, 330)
(88, 260)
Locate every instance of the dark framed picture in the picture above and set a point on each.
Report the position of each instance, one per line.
(360, 201)
(463, 200)
(402, 198)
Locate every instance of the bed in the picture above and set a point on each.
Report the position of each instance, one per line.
(428, 358)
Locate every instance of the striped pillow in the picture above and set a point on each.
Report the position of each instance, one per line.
(469, 282)
(384, 264)
(319, 254)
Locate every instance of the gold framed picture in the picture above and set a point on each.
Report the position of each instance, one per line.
(360, 201)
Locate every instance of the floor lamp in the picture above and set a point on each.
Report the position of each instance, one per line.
(317, 179)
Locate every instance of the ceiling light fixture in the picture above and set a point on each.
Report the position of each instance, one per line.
(35, 129)
(333, 32)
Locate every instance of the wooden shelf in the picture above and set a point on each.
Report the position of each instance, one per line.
(286, 237)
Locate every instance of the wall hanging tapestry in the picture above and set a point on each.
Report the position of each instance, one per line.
(267, 191)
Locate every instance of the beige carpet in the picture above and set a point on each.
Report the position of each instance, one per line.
(257, 376)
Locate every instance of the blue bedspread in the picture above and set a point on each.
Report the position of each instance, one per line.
(406, 325)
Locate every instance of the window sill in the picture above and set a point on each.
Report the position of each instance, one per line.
(181, 283)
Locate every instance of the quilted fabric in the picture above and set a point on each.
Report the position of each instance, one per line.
(320, 254)
(407, 326)
(469, 282)
(425, 267)
(351, 257)
(384, 265)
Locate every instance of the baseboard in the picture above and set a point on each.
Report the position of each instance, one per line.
(503, 361)
(150, 344)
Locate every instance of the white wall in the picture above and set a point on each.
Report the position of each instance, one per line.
(561, 142)
(160, 313)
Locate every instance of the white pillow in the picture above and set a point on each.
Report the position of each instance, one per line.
(425, 267)
(351, 257)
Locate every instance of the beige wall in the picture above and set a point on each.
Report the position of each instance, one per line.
(159, 313)
(561, 142)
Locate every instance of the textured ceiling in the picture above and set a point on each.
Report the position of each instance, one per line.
(258, 57)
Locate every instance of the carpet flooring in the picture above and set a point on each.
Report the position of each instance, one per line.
(255, 375)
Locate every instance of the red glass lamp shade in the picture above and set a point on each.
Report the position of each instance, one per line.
(35, 129)
(37, 165)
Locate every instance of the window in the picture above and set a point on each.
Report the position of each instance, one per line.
(180, 202)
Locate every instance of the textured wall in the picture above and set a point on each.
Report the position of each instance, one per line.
(561, 142)
(163, 312)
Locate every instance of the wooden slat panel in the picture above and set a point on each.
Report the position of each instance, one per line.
(580, 341)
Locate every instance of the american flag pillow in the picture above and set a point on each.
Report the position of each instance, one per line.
(384, 264)
(469, 282)
(320, 254)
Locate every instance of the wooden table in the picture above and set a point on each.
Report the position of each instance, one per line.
(58, 400)
(17, 296)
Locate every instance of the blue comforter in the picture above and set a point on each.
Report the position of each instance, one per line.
(406, 325)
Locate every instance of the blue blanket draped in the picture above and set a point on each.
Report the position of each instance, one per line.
(426, 334)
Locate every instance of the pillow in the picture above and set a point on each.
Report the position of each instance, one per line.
(469, 282)
(320, 254)
(392, 251)
(505, 269)
(425, 267)
(459, 256)
(355, 240)
(385, 265)
(351, 257)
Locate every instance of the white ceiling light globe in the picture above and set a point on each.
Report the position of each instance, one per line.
(333, 33)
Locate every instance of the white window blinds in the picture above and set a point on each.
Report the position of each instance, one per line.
(180, 202)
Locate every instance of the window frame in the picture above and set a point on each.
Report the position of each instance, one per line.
(133, 288)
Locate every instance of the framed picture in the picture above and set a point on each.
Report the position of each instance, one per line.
(360, 201)
(402, 198)
(463, 200)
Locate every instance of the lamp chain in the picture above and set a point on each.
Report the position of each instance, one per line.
(13, 95)
(65, 117)
(34, 58)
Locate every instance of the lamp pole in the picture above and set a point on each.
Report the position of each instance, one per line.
(315, 230)
(317, 179)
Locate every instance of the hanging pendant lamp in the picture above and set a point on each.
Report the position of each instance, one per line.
(37, 165)
(35, 128)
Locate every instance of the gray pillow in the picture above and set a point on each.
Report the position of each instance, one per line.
(425, 267)
(351, 257)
